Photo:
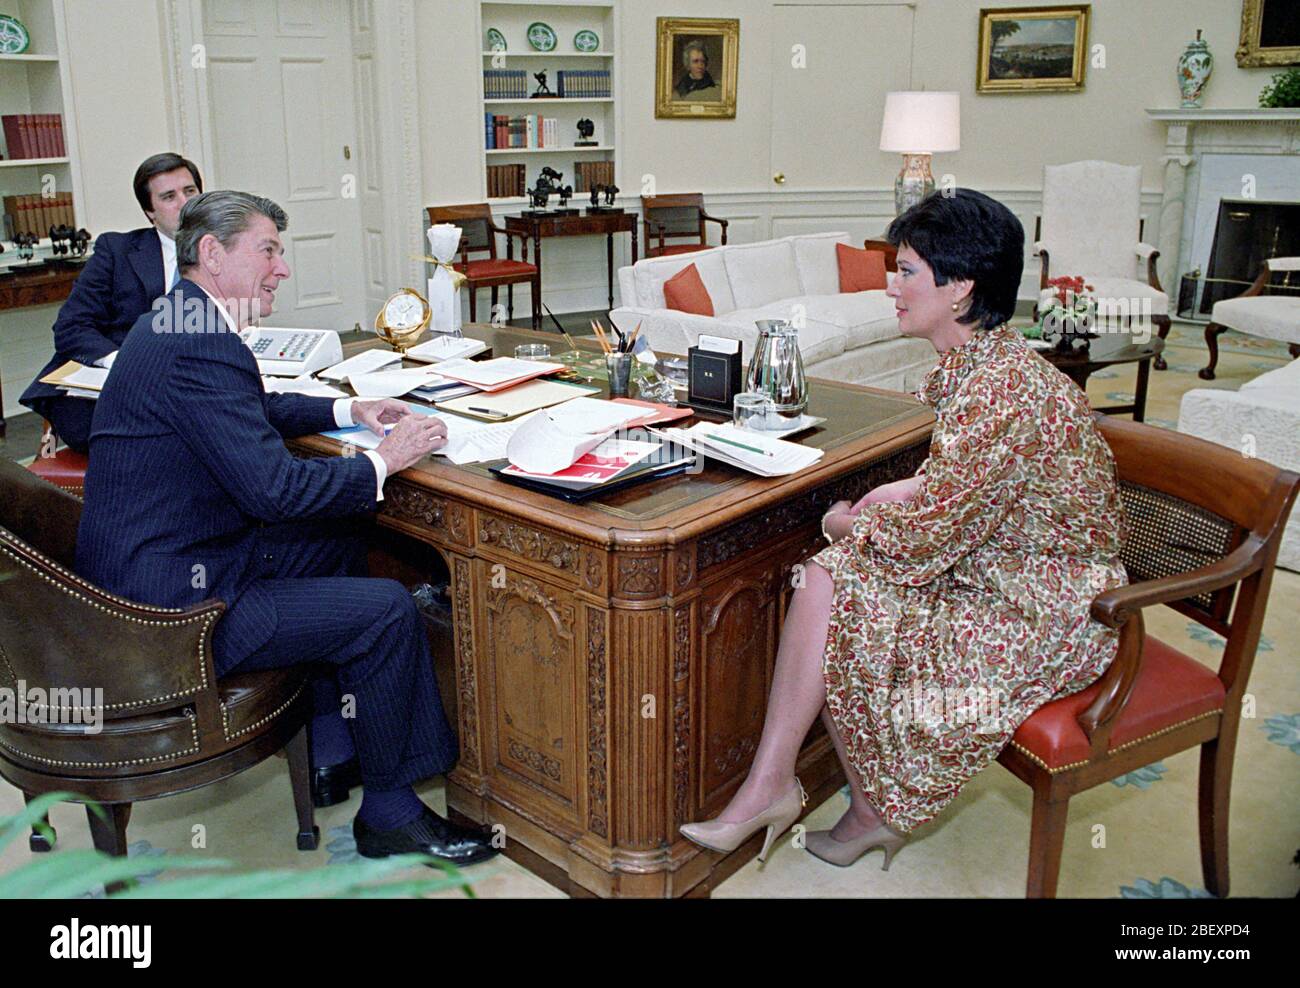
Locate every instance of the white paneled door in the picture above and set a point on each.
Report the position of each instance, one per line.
(831, 67)
(280, 88)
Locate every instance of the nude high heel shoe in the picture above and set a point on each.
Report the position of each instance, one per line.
(822, 845)
(778, 818)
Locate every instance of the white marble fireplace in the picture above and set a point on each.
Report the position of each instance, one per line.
(1219, 154)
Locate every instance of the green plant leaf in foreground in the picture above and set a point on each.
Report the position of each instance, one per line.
(82, 871)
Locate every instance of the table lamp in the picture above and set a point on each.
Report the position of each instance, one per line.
(917, 125)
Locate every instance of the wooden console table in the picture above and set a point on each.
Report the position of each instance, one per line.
(613, 659)
(43, 286)
(580, 225)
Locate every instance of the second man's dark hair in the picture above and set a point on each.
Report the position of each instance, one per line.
(966, 235)
(160, 164)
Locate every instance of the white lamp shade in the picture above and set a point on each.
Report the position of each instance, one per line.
(921, 122)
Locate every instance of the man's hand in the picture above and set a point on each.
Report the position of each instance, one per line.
(413, 438)
(374, 415)
(899, 490)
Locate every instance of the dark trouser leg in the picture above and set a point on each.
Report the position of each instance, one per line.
(371, 632)
(70, 418)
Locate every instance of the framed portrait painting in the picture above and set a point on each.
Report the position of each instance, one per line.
(695, 67)
(1032, 49)
(1270, 33)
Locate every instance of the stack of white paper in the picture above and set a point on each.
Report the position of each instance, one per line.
(363, 363)
(745, 448)
(304, 384)
(392, 383)
(446, 348)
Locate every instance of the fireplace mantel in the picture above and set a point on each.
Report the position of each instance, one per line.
(1190, 136)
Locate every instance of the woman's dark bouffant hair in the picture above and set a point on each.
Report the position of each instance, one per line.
(964, 234)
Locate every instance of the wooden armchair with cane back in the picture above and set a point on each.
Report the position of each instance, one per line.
(1203, 526)
(680, 215)
(479, 236)
(163, 723)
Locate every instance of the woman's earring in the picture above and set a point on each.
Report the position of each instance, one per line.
(955, 307)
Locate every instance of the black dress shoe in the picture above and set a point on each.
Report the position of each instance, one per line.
(330, 784)
(426, 834)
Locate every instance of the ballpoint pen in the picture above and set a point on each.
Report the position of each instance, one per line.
(487, 411)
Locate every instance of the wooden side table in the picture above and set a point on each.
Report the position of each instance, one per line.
(583, 224)
(1105, 351)
(40, 286)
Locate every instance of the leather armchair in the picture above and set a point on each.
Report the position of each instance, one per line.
(166, 724)
(1203, 526)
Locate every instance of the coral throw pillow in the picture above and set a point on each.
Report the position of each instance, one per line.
(860, 270)
(685, 292)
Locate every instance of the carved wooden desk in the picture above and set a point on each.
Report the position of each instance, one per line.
(613, 658)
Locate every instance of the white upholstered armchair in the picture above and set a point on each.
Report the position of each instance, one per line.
(1092, 226)
(1272, 317)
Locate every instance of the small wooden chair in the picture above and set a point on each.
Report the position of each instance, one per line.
(166, 723)
(1203, 529)
(478, 236)
(678, 215)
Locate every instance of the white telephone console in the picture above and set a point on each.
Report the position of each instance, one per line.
(292, 352)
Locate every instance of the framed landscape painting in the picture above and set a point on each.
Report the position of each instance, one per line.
(695, 67)
(1032, 49)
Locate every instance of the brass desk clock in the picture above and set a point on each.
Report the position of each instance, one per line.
(403, 318)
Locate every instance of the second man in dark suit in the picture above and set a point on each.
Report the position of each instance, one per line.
(126, 272)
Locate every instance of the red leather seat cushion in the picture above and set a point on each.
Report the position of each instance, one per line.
(65, 469)
(675, 249)
(1171, 688)
(498, 268)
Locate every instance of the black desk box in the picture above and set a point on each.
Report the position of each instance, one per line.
(714, 379)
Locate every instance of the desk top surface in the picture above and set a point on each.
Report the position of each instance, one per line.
(862, 425)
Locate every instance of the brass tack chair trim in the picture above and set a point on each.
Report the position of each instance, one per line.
(194, 737)
(225, 716)
(1128, 744)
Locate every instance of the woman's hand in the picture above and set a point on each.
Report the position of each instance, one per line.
(838, 521)
(899, 490)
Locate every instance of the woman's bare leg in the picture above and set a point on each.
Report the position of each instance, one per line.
(861, 816)
(798, 694)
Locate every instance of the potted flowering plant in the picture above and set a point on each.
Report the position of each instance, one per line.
(1067, 312)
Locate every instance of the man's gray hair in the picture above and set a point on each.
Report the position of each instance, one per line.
(694, 46)
(225, 214)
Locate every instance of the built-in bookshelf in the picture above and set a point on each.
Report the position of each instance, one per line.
(33, 86)
(505, 98)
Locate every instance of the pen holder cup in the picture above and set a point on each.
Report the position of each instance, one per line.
(619, 366)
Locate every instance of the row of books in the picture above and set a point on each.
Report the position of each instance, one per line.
(583, 83)
(569, 83)
(36, 214)
(589, 173)
(34, 135)
(505, 84)
(529, 131)
(506, 180)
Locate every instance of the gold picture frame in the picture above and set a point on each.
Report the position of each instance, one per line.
(1253, 50)
(1041, 66)
(704, 87)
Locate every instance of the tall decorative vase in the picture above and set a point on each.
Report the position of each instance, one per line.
(1194, 67)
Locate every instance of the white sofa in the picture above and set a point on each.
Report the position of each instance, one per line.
(1266, 408)
(849, 337)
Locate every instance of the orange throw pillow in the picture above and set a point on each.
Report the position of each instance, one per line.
(685, 292)
(860, 270)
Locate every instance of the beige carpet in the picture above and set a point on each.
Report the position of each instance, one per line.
(1134, 837)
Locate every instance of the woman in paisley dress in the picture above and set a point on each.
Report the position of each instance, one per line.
(951, 605)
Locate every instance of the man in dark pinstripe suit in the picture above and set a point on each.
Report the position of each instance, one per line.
(191, 493)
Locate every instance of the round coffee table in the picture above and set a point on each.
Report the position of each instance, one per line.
(1107, 350)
